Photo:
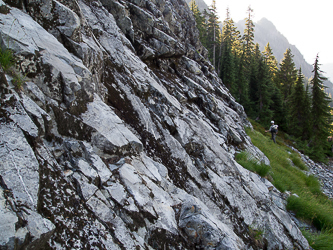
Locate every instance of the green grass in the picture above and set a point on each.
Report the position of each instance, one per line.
(18, 80)
(313, 209)
(252, 165)
(287, 174)
(321, 240)
(297, 161)
(6, 59)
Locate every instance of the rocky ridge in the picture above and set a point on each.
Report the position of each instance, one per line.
(324, 172)
(123, 136)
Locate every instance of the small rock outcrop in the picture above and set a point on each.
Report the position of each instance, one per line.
(122, 136)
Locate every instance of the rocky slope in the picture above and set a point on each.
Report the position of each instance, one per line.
(123, 136)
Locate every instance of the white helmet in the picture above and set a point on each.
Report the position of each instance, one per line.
(272, 121)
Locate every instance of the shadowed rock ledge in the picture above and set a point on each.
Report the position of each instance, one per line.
(123, 136)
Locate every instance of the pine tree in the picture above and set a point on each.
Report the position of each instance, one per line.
(201, 22)
(299, 114)
(321, 112)
(307, 110)
(213, 32)
(243, 65)
(227, 65)
(261, 88)
(248, 40)
(244, 56)
(228, 60)
(278, 108)
(231, 33)
(287, 74)
(242, 79)
(254, 84)
(220, 53)
(265, 92)
(194, 7)
(270, 60)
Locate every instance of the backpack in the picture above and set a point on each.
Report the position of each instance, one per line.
(274, 129)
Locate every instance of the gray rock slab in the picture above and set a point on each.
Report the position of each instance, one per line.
(112, 132)
(19, 166)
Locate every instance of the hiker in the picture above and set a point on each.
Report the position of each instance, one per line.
(274, 130)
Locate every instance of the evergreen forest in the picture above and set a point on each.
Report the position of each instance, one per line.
(267, 89)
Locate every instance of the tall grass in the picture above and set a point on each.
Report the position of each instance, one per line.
(315, 210)
(6, 62)
(252, 165)
(322, 241)
(297, 161)
(287, 174)
(6, 59)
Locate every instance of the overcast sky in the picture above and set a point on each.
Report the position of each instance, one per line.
(306, 24)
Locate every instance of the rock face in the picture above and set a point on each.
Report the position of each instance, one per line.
(123, 136)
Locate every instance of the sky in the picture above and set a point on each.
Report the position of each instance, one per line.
(306, 24)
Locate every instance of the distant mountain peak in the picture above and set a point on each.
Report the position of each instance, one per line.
(267, 23)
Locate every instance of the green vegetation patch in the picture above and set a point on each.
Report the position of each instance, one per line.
(252, 165)
(314, 209)
(18, 80)
(287, 174)
(6, 59)
(322, 240)
(297, 161)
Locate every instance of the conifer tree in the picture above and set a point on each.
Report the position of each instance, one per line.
(213, 32)
(228, 60)
(241, 94)
(201, 22)
(261, 88)
(220, 53)
(270, 60)
(248, 40)
(254, 84)
(278, 108)
(194, 7)
(243, 60)
(321, 112)
(307, 110)
(227, 65)
(287, 74)
(299, 114)
(266, 89)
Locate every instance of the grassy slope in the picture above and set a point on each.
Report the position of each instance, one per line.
(287, 174)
